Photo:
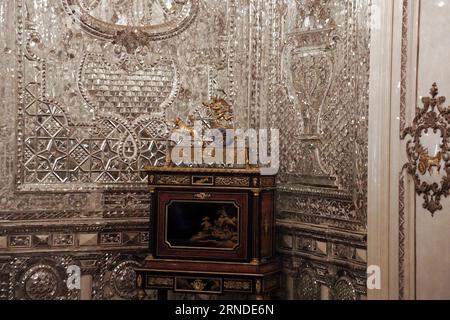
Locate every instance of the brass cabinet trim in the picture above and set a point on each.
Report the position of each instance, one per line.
(219, 280)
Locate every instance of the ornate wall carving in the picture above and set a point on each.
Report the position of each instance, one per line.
(323, 89)
(91, 90)
(97, 93)
(428, 150)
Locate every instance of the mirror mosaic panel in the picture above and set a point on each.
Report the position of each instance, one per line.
(91, 88)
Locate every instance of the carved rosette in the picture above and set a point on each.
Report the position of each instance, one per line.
(41, 282)
(42, 279)
(428, 150)
(123, 279)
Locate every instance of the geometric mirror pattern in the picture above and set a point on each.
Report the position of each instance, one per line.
(102, 84)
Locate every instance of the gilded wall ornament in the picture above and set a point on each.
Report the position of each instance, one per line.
(161, 281)
(237, 285)
(428, 150)
(232, 181)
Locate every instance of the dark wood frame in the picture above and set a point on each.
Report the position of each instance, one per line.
(162, 250)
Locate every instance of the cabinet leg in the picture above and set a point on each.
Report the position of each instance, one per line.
(140, 287)
(162, 294)
(141, 294)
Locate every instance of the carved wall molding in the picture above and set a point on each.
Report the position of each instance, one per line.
(58, 215)
(310, 276)
(321, 207)
(340, 248)
(317, 256)
(403, 106)
(38, 278)
(102, 235)
(404, 63)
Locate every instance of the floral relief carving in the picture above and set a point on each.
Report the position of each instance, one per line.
(232, 181)
(160, 281)
(237, 285)
(41, 278)
(428, 150)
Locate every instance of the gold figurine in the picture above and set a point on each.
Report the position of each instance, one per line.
(221, 112)
(427, 163)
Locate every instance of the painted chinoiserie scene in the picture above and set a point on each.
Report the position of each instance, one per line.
(224, 149)
(203, 225)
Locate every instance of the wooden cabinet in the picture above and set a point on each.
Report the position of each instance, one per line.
(212, 231)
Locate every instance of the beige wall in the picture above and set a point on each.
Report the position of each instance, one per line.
(411, 246)
(433, 233)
